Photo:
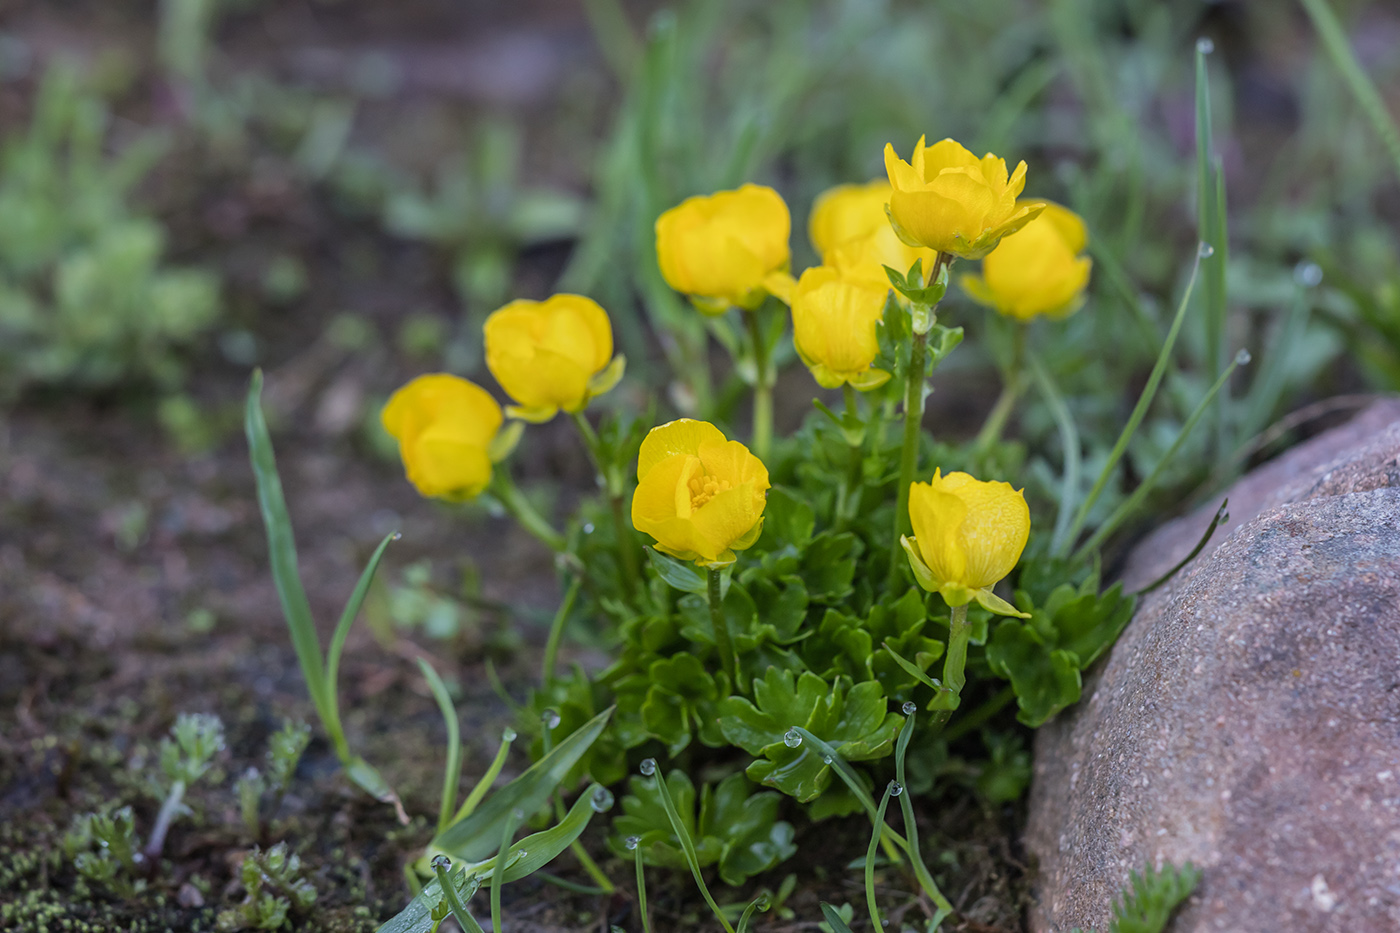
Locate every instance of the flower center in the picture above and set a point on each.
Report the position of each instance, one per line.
(703, 488)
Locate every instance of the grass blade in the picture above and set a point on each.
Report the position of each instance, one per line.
(688, 848)
(1129, 505)
(282, 553)
(911, 828)
(478, 834)
(1149, 392)
(1334, 40)
(487, 779)
(452, 774)
(342, 628)
(833, 919)
(1210, 219)
(877, 824)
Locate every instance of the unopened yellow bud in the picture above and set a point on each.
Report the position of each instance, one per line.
(1036, 270)
(445, 426)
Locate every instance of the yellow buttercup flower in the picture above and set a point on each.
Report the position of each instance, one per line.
(833, 327)
(968, 535)
(851, 231)
(947, 199)
(727, 249)
(700, 496)
(447, 430)
(551, 354)
(1038, 269)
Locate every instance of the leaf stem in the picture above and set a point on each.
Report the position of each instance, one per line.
(848, 497)
(723, 645)
(610, 477)
(556, 630)
(523, 512)
(762, 390)
(909, 451)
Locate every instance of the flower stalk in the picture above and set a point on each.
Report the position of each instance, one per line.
(611, 478)
(762, 389)
(723, 644)
(519, 507)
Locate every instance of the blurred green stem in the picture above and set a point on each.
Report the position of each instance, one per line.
(1013, 384)
(611, 477)
(723, 645)
(556, 630)
(762, 389)
(514, 501)
(848, 497)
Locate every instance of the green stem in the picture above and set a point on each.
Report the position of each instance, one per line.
(909, 453)
(1013, 384)
(627, 556)
(878, 825)
(848, 497)
(556, 630)
(954, 664)
(523, 512)
(762, 390)
(723, 645)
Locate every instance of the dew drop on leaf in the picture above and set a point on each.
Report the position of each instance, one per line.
(601, 800)
(633, 842)
(896, 788)
(550, 719)
(792, 738)
(1242, 358)
(1307, 274)
(910, 708)
(648, 766)
(1204, 45)
(828, 759)
(588, 528)
(508, 734)
(441, 861)
(1205, 250)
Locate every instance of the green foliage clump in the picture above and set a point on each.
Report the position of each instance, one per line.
(273, 889)
(1146, 904)
(86, 299)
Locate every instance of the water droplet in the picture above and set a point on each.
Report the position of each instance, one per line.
(648, 766)
(518, 814)
(896, 788)
(588, 528)
(910, 708)
(632, 842)
(1204, 45)
(792, 738)
(602, 800)
(1242, 358)
(828, 759)
(1205, 250)
(398, 536)
(519, 854)
(550, 719)
(508, 734)
(1307, 274)
(441, 861)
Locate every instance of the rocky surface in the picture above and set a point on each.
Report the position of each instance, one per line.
(1249, 718)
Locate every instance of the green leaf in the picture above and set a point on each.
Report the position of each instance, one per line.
(282, 551)
(1045, 679)
(1146, 905)
(829, 565)
(788, 519)
(479, 834)
(784, 609)
(682, 575)
(837, 921)
(853, 720)
(1089, 624)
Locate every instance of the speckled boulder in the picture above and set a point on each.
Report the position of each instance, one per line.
(1249, 718)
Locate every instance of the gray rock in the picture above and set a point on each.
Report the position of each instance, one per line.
(1249, 718)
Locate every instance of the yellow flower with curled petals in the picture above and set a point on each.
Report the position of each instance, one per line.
(833, 327)
(947, 199)
(551, 354)
(968, 535)
(699, 495)
(1037, 270)
(449, 433)
(850, 231)
(728, 249)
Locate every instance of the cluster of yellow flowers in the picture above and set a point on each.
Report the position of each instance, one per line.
(700, 495)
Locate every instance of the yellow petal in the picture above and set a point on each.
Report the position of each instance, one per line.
(847, 212)
(443, 463)
(722, 246)
(732, 462)
(993, 532)
(442, 398)
(727, 518)
(684, 436)
(936, 516)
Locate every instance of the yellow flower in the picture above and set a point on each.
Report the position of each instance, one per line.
(551, 354)
(700, 496)
(447, 431)
(833, 327)
(1037, 270)
(726, 249)
(968, 535)
(947, 199)
(850, 231)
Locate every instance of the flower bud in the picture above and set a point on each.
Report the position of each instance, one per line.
(833, 327)
(726, 249)
(1038, 269)
(445, 427)
(700, 496)
(968, 535)
(947, 199)
(551, 354)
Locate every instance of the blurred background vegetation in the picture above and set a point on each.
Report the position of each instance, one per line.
(341, 190)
